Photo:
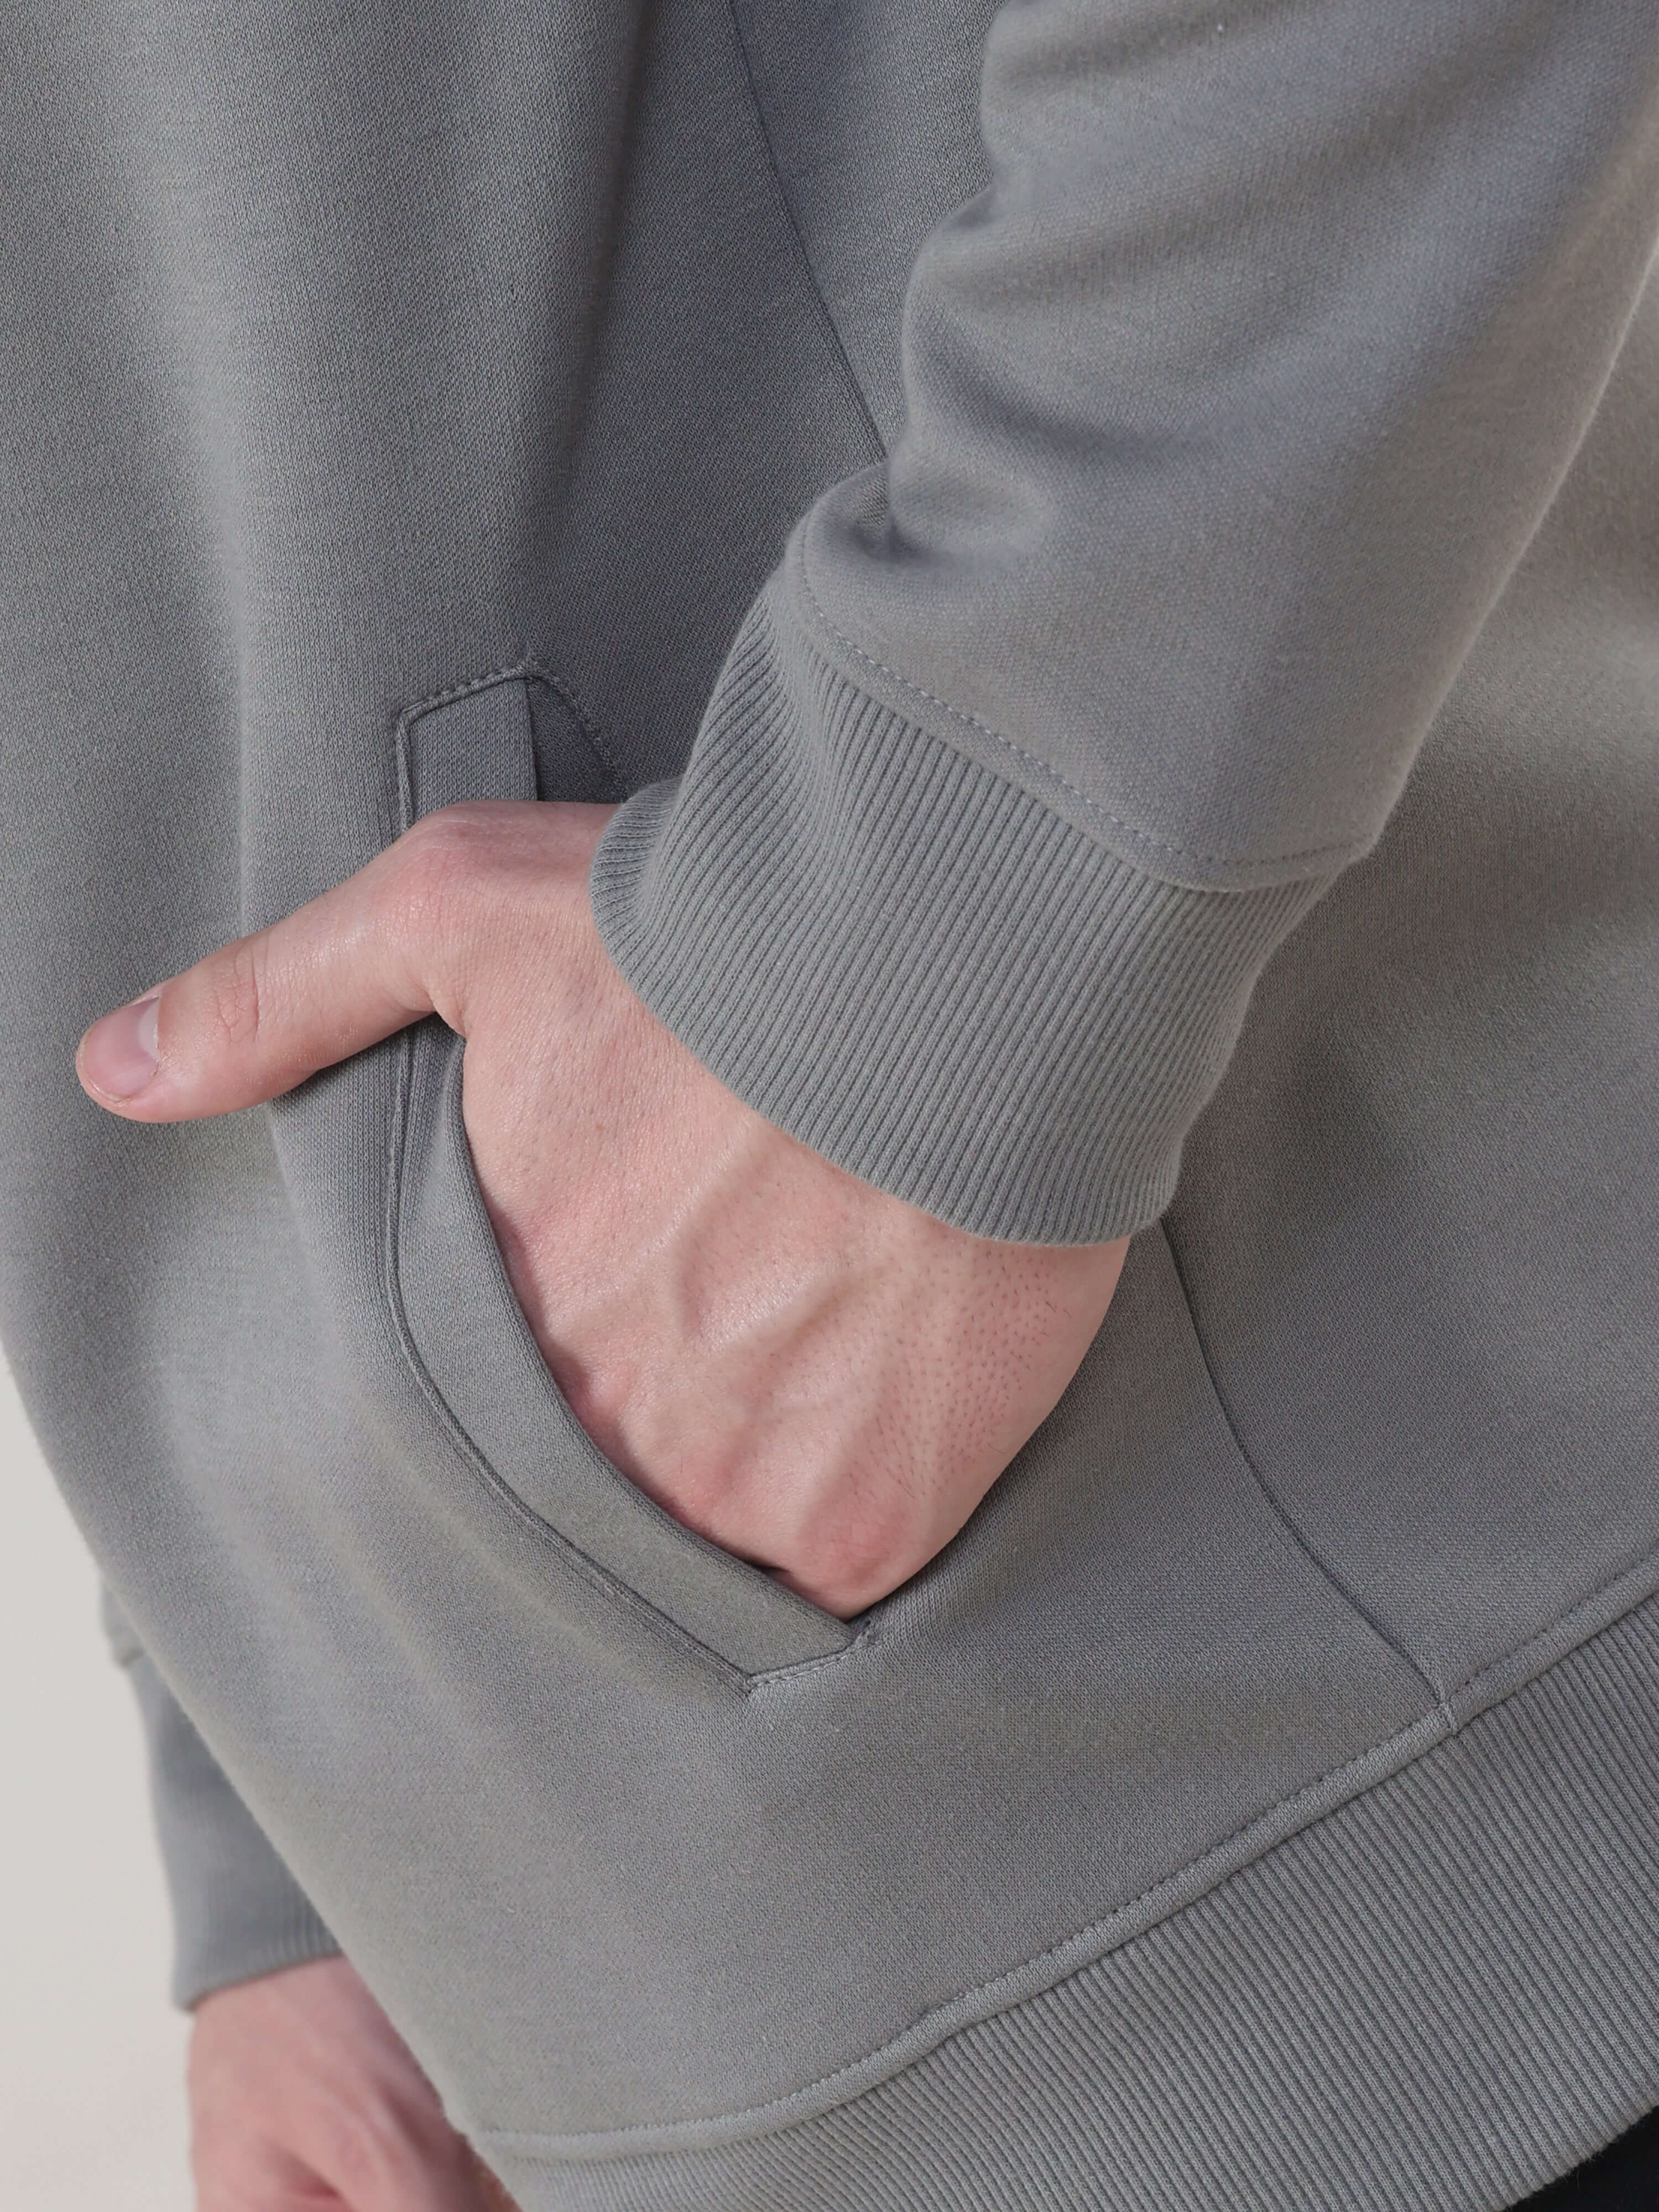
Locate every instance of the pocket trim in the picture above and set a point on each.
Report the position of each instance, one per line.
(461, 1327)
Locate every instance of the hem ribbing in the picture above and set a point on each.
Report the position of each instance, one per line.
(1437, 1998)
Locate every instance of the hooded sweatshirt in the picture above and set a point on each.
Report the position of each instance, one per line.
(1111, 548)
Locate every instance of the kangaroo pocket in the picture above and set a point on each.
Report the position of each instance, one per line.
(631, 1837)
(1123, 1680)
(461, 1324)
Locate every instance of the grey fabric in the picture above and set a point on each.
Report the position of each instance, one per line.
(464, 1335)
(401, 406)
(237, 1911)
(1193, 568)
(1008, 1026)
(1207, 2061)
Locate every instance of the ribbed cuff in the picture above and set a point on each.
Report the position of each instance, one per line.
(918, 968)
(237, 1911)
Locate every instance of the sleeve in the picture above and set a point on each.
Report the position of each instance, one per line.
(1230, 407)
(237, 1911)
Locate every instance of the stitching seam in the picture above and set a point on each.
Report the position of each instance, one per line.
(585, 722)
(1087, 1946)
(1327, 1572)
(529, 667)
(1339, 855)
(543, 1531)
(1453, 1698)
(610, 1586)
(1055, 1953)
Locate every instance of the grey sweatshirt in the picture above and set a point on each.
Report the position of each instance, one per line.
(1116, 571)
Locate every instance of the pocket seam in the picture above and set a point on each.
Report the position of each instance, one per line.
(603, 1578)
(1378, 1627)
(528, 669)
(608, 1585)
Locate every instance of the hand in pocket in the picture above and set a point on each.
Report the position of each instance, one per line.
(811, 1374)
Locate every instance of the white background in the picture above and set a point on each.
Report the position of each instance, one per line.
(91, 2053)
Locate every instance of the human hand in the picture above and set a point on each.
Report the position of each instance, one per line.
(812, 1374)
(302, 2096)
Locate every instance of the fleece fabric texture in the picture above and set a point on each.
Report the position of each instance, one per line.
(1107, 547)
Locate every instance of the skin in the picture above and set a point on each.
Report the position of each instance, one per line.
(304, 2098)
(810, 1373)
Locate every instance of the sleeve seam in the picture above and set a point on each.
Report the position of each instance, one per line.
(1333, 857)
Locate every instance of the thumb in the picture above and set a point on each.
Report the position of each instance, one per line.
(258, 1016)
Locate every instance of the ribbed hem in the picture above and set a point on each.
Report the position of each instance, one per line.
(1436, 1998)
(917, 968)
(237, 1911)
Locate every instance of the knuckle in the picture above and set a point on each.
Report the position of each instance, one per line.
(444, 864)
(473, 884)
(453, 841)
(370, 2150)
(852, 1565)
(235, 997)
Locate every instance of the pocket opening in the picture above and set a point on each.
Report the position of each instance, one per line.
(465, 1323)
